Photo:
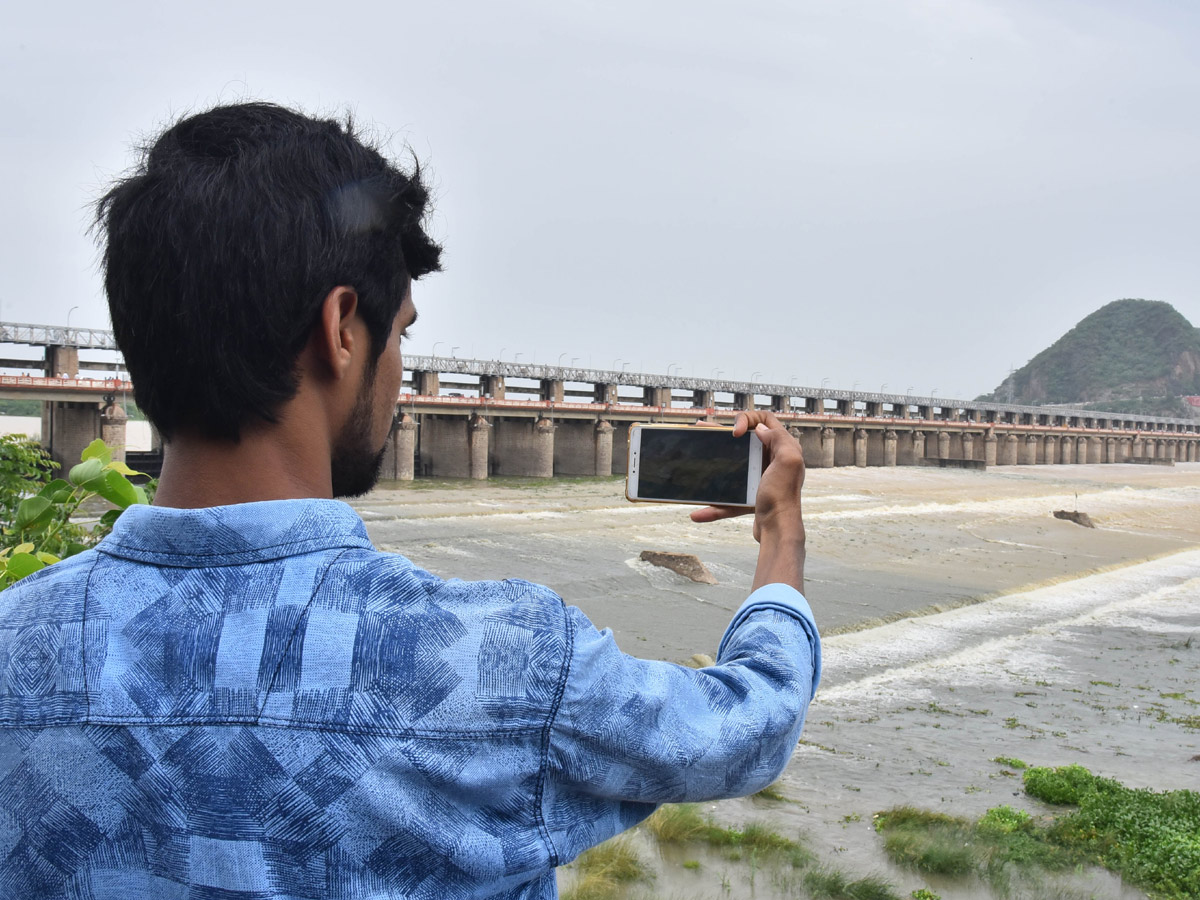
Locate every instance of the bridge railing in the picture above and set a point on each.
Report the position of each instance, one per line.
(100, 339)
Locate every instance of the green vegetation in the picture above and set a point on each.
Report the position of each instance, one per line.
(1151, 839)
(830, 884)
(1136, 356)
(38, 525)
(770, 792)
(1011, 761)
(682, 823)
(20, 407)
(605, 868)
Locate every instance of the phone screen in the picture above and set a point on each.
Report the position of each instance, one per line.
(694, 464)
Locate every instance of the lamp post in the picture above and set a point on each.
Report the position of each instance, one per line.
(516, 357)
(69, 311)
(754, 375)
(453, 350)
(435, 346)
(500, 358)
(560, 358)
(825, 381)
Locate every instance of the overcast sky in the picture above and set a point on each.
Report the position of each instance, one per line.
(917, 193)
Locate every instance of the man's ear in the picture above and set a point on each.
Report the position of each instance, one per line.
(333, 339)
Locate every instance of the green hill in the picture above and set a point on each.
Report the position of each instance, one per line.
(1138, 356)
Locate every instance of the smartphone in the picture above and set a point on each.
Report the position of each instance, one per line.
(693, 464)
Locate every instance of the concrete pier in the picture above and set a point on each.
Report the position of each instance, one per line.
(399, 461)
(477, 439)
(860, 448)
(112, 429)
(828, 448)
(68, 427)
(889, 447)
(445, 447)
(523, 447)
(583, 447)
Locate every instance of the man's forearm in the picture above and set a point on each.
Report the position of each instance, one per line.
(781, 560)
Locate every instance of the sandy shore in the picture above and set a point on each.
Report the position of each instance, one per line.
(963, 623)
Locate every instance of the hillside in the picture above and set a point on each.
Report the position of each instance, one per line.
(1136, 356)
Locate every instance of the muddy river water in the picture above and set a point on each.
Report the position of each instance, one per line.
(962, 623)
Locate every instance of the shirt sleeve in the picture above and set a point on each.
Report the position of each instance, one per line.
(631, 733)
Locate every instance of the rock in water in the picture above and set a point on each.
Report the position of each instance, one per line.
(685, 564)
(1079, 518)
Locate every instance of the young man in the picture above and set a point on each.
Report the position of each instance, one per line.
(235, 695)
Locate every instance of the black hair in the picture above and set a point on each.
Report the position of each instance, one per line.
(220, 246)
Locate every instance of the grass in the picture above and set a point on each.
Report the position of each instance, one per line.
(770, 792)
(603, 869)
(831, 884)
(1011, 761)
(1151, 839)
(682, 823)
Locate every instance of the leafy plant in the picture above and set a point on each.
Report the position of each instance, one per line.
(39, 528)
(24, 465)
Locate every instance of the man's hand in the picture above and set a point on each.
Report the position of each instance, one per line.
(778, 524)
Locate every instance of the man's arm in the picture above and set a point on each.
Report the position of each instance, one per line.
(778, 523)
(631, 733)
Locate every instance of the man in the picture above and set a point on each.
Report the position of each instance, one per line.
(235, 695)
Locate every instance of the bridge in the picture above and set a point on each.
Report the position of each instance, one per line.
(474, 418)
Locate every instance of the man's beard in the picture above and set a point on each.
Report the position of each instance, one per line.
(356, 463)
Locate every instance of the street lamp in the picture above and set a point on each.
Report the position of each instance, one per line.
(615, 361)
(69, 311)
(883, 388)
(435, 346)
(623, 365)
(754, 375)
(560, 358)
(933, 393)
(500, 358)
(574, 359)
(516, 357)
(855, 388)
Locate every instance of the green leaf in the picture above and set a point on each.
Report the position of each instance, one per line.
(109, 518)
(113, 487)
(32, 511)
(141, 495)
(97, 449)
(22, 564)
(48, 558)
(51, 490)
(86, 471)
(119, 466)
(23, 548)
(72, 549)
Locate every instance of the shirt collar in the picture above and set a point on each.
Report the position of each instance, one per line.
(234, 535)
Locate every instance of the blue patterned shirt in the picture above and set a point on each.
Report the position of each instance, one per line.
(252, 702)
